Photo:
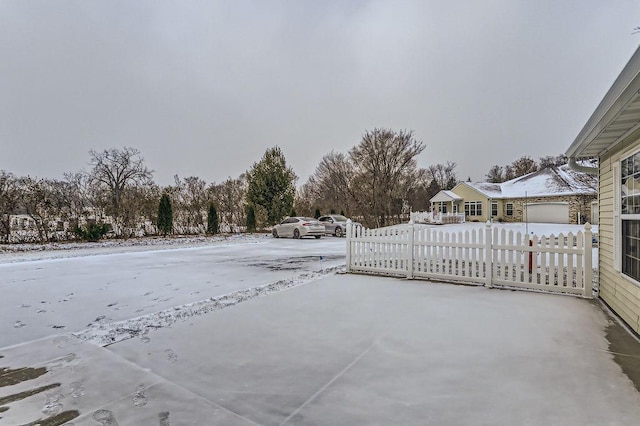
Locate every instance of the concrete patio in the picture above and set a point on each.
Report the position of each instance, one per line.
(348, 349)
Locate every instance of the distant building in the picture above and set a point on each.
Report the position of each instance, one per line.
(555, 194)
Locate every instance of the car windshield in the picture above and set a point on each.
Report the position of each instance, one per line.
(339, 218)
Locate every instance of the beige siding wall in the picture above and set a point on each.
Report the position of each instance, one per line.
(577, 204)
(469, 194)
(621, 294)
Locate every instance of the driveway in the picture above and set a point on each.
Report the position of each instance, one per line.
(64, 291)
(345, 349)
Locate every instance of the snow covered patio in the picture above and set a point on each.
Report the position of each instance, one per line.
(337, 349)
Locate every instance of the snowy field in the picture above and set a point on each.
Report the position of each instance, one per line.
(109, 291)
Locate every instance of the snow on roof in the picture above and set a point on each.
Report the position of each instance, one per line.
(453, 195)
(555, 180)
(445, 196)
(489, 189)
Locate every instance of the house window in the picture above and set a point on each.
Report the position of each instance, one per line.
(473, 208)
(494, 209)
(509, 209)
(630, 185)
(630, 215)
(631, 248)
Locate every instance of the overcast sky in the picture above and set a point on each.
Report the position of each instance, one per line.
(203, 88)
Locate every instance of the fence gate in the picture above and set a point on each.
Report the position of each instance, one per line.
(489, 257)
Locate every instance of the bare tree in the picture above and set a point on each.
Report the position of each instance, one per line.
(230, 198)
(524, 165)
(77, 196)
(9, 200)
(138, 208)
(304, 201)
(509, 173)
(385, 172)
(443, 174)
(495, 174)
(190, 203)
(115, 170)
(329, 185)
(43, 201)
(551, 160)
(419, 195)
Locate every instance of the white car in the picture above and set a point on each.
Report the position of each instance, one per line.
(298, 227)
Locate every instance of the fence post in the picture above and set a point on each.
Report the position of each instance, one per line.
(349, 237)
(488, 255)
(588, 267)
(410, 250)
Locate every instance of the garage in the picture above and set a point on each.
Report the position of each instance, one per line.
(547, 212)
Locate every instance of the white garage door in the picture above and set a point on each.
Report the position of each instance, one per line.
(547, 212)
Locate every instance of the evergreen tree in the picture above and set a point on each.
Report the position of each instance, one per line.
(251, 219)
(293, 213)
(332, 211)
(92, 232)
(271, 185)
(342, 213)
(212, 220)
(165, 215)
(317, 214)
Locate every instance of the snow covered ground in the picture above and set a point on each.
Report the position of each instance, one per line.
(110, 292)
(31, 251)
(138, 333)
(344, 349)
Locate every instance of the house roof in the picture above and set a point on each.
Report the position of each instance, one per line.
(550, 181)
(445, 196)
(617, 117)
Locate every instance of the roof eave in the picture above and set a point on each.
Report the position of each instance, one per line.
(624, 91)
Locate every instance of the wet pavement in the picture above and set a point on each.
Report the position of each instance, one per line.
(344, 349)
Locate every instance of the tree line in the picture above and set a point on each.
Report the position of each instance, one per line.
(117, 191)
(522, 166)
(377, 182)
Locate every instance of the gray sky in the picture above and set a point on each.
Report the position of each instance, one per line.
(202, 88)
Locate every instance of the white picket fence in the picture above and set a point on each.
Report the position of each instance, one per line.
(437, 217)
(489, 257)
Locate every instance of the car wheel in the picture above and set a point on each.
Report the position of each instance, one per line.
(296, 234)
(338, 232)
(275, 233)
(317, 237)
